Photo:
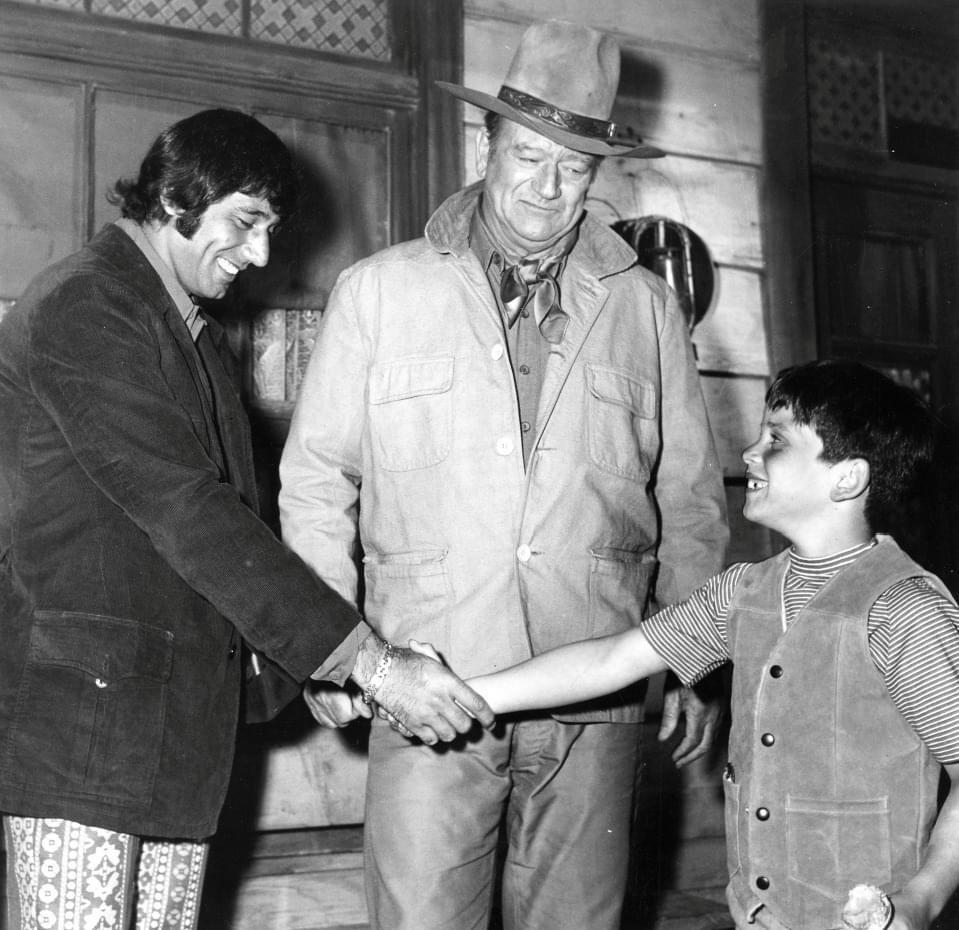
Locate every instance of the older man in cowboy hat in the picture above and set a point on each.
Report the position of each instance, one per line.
(506, 414)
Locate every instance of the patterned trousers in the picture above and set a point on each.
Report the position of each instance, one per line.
(66, 876)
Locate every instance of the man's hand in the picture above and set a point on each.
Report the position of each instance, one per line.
(424, 697)
(703, 717)
(333, 706)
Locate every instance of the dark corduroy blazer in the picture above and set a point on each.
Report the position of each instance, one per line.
(131, 558)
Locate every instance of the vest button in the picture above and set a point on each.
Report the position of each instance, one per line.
(762, 883)
(776, 671)
(762, 813)
(767, 739)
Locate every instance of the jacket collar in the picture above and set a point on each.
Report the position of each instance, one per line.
(599, 251)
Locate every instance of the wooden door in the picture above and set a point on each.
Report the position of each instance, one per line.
(886, 294)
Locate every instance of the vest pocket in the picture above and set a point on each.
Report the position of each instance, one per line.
(832, 845)
(90, 708)
(621, 422)
(411, 412)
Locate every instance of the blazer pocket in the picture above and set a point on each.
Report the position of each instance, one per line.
(621, 423)
(91, 707)
(411, 412)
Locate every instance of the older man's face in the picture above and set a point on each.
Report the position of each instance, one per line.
(534, 187)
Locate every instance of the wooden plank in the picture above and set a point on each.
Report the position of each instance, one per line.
(727, 29)
(39, 194)
(735, 408)
(731, 337)
(678, 101)
(718, 201)
(301, 901)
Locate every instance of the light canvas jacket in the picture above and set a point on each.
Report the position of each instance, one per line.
(408, 421)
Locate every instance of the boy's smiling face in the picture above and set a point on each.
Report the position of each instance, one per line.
(788, 483)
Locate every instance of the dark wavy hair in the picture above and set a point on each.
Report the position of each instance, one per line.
(858, 412)
(204, 158)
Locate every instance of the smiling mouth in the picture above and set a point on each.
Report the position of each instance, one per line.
(754, 484)
(228, 266)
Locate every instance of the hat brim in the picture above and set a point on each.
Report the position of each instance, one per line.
(571, 140)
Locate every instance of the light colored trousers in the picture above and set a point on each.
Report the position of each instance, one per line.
(433, 820)
(67, 876)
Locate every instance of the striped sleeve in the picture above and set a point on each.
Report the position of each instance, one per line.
(690, 636)
(914, 641)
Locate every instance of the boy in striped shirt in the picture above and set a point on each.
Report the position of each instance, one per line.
(845, 698)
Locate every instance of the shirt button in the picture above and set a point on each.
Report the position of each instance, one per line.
(762, 814)
(100, 683)
(231, 652)
(496, 353)
(524, 314)
(524, 369)
(523, 553)
(504, 446)
(776, 671)
(767, 739)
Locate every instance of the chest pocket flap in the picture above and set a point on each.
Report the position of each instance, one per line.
(622, 424)
(411, 412)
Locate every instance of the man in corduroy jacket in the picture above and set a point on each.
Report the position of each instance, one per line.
(132, 562)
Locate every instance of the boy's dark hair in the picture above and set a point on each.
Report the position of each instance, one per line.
(204, 158)
(858, 412)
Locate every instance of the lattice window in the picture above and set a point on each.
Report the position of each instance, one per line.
(921, 91)
(347, 27)
(844, 102)
(353, 27)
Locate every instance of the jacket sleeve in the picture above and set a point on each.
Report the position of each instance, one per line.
(689, 482)
(321, 466)
(97, 369)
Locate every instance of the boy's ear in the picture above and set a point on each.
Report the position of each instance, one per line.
(851, 480)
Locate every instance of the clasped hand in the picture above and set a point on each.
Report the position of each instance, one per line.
(420, 697)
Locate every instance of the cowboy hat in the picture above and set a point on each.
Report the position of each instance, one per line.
(562, 83)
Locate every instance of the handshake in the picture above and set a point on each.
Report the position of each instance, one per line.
(410, 687)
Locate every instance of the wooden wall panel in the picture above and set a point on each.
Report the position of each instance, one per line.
(735, 408)
(731, 337)
(728, 29)
(41, 165)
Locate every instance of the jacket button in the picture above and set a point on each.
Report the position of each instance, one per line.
(762, 813)
(767, 739)
(504, 446)
(523, 553)
(776, 671)
(496, 353)
(762, 883)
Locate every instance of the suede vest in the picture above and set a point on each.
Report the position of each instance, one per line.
(827, 785)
